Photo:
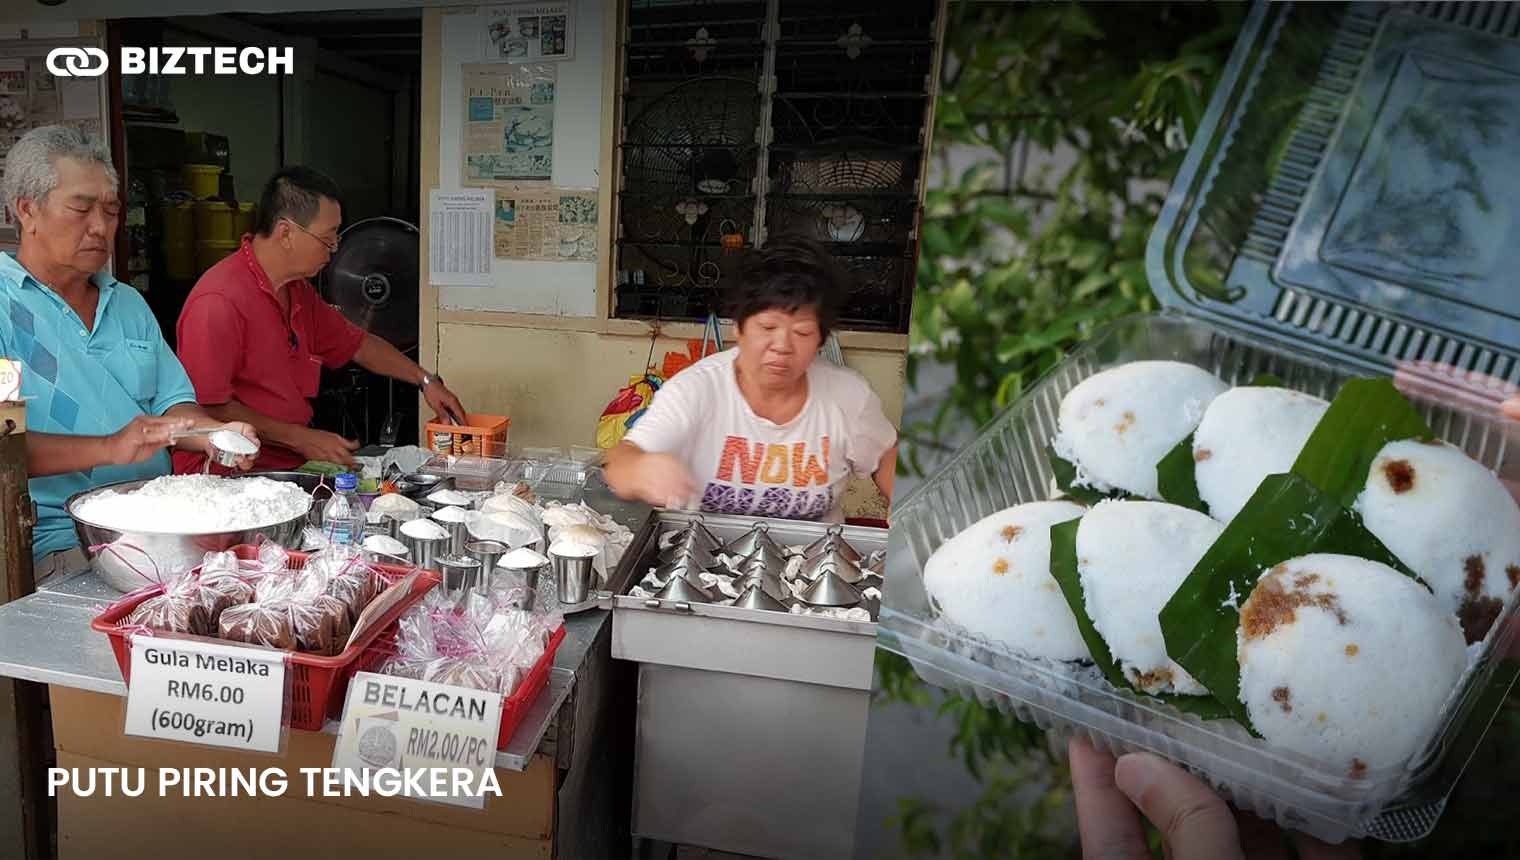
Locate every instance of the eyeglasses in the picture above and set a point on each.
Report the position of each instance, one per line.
(330, 245)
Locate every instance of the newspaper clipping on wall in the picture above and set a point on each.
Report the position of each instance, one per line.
(30, 97)
(530, 32)
(508, 122)
(546, 224)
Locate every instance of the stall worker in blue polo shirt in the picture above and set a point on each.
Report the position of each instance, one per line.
(104, 391)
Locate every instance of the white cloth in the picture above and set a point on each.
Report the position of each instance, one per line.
(744, 464)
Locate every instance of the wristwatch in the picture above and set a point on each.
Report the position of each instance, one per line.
(429, 378)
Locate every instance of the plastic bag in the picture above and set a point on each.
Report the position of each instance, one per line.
(510, 528)
(396, 506)
(711, 343)
(178, 610)
(510, 503)
(626, 408)
(219, 591)
(258, 624)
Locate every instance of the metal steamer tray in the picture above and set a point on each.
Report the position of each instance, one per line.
(773, 705)
(769, 644)
(1273, 255)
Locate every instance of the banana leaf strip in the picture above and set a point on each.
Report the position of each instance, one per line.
(1365, 415)
(1063, 567)
(1177, 477)
(1066, 476)
(1177, 473)
(1286, 517)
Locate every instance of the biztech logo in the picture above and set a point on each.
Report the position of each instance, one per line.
(221, 60)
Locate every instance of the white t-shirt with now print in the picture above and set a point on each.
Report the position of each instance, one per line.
(744, 464)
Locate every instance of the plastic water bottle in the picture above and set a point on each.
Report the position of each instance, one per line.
(343, 517)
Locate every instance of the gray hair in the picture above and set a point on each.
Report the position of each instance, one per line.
(31, 167)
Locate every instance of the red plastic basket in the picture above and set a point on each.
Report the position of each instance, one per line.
(317, 684)
(515, 707)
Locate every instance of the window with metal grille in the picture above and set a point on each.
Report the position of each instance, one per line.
(743, 120)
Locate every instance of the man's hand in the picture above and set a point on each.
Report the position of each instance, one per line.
(1195, 823)
(443, 401)
(326, 447)
(245, 462)
(657, 479)
(143, 437)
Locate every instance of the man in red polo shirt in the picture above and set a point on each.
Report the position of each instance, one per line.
(254, 334)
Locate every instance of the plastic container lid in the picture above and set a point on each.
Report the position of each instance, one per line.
(1351, 188)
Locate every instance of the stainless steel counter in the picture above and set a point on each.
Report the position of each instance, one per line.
(46, 637)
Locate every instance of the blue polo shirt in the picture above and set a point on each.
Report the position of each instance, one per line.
(85, 382)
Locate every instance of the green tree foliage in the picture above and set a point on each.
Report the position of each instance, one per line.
(1017, 265)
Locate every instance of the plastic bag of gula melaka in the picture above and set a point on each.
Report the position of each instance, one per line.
(264, 602)
(475, 641)
(189, 604)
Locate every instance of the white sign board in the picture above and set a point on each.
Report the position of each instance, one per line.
(399, 724)
(459, 237)
(206, 693)
(10, 380)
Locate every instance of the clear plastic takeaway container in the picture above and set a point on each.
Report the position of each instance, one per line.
(1300, 239)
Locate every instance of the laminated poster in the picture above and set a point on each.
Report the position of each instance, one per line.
(529, 32)
(29, 97)
(508, 123)
(546, 224)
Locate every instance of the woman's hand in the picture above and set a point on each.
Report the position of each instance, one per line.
(1195, 823)
(656, 479)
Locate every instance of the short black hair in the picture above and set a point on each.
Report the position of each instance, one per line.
(296, 193)
(790, 272)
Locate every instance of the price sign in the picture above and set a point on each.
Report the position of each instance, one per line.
(400, 724)
(206, 693)
(10, 380)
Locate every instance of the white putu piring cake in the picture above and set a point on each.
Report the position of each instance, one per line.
(1247, 434)
(993, 579)
(1346, 661)
(1451, 521)
(1115, 426)
(1132, 556)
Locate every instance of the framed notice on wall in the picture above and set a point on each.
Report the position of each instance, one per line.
(31, 96)
(508, 123)
(529, 32)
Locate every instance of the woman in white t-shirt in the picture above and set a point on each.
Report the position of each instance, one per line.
(765, 428)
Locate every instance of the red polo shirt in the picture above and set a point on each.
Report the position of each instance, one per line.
(238, 344)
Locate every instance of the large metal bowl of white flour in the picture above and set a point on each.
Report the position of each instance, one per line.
(135, 537)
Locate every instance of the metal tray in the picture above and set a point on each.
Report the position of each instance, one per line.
(807, 648)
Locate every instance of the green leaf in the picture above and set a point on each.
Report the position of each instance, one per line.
(1063, 568)
(1285, 518)
(1365, 415)
(1066, 475)
(1177, 477)
(1087, 255)
(1092, 284)
(1177, 473)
